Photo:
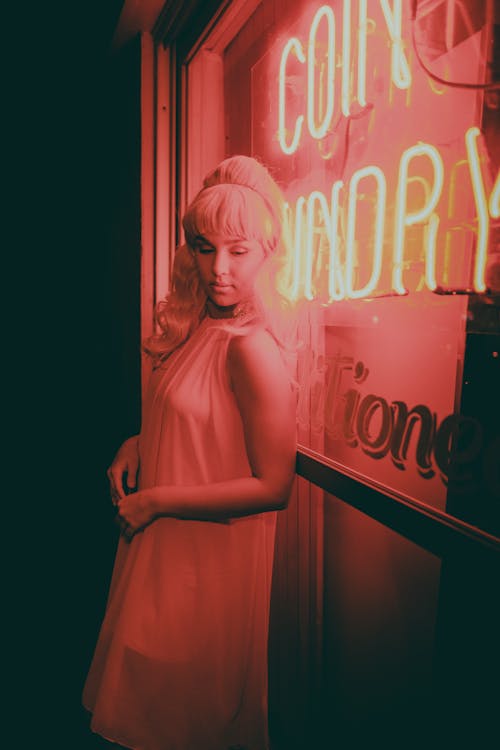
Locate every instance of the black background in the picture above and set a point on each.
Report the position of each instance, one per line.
(64, 405)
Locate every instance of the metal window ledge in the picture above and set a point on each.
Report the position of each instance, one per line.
(435, 530)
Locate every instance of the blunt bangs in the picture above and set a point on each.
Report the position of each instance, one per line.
(232, 211)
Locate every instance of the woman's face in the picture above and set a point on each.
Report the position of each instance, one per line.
(227, 267)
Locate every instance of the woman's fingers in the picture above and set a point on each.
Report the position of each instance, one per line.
(123, 471)
(132, 471)
(115, 476)
(125, 529)
(126, 462)
(123, 476)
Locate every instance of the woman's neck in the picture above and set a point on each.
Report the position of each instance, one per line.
(215, 311)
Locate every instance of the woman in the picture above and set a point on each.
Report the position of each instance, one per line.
(181, 660)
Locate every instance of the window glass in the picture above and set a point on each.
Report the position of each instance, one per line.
(376, 128)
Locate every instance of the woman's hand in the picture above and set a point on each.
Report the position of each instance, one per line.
(135, 511)
(126, 462)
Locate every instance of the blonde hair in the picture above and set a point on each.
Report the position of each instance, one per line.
(238, 198)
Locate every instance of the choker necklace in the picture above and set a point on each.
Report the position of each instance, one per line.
(239, 312)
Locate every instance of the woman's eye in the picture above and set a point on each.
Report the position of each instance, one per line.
(204, 249)
(239, 251)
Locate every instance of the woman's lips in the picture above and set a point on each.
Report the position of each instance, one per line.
(221, 288)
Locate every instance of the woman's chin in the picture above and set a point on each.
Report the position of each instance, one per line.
(223, 299)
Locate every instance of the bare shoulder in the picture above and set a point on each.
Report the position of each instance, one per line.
(256, 359)
(258, 341)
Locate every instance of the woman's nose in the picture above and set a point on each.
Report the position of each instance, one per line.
(220, 265)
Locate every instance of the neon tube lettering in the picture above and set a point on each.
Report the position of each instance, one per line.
(346, 57)
(430, 237)
(316, 218)
(336, 287)
(400, 70)
(295, 45)
(297, 244)
(377, 173)
(362, 32)
(481, 206)
(430, 258)
(404, 219)
(318, 196)
(494, 203)
(320, 131)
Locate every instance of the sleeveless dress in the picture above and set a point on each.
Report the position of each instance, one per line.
(181, 658)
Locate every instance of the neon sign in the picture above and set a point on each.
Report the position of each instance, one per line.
(400, 70)
(340, 272)
(292, 44)
(425, 214)
(358, 237)
(494, 204)
(379, 230)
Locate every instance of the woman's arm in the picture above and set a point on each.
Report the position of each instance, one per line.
(268, 411)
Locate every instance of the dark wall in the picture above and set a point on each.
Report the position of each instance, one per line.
(115, 410)
(116, 367)
(80, 395)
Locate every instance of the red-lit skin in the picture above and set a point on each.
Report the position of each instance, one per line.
(265, 401)
(227, 267)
